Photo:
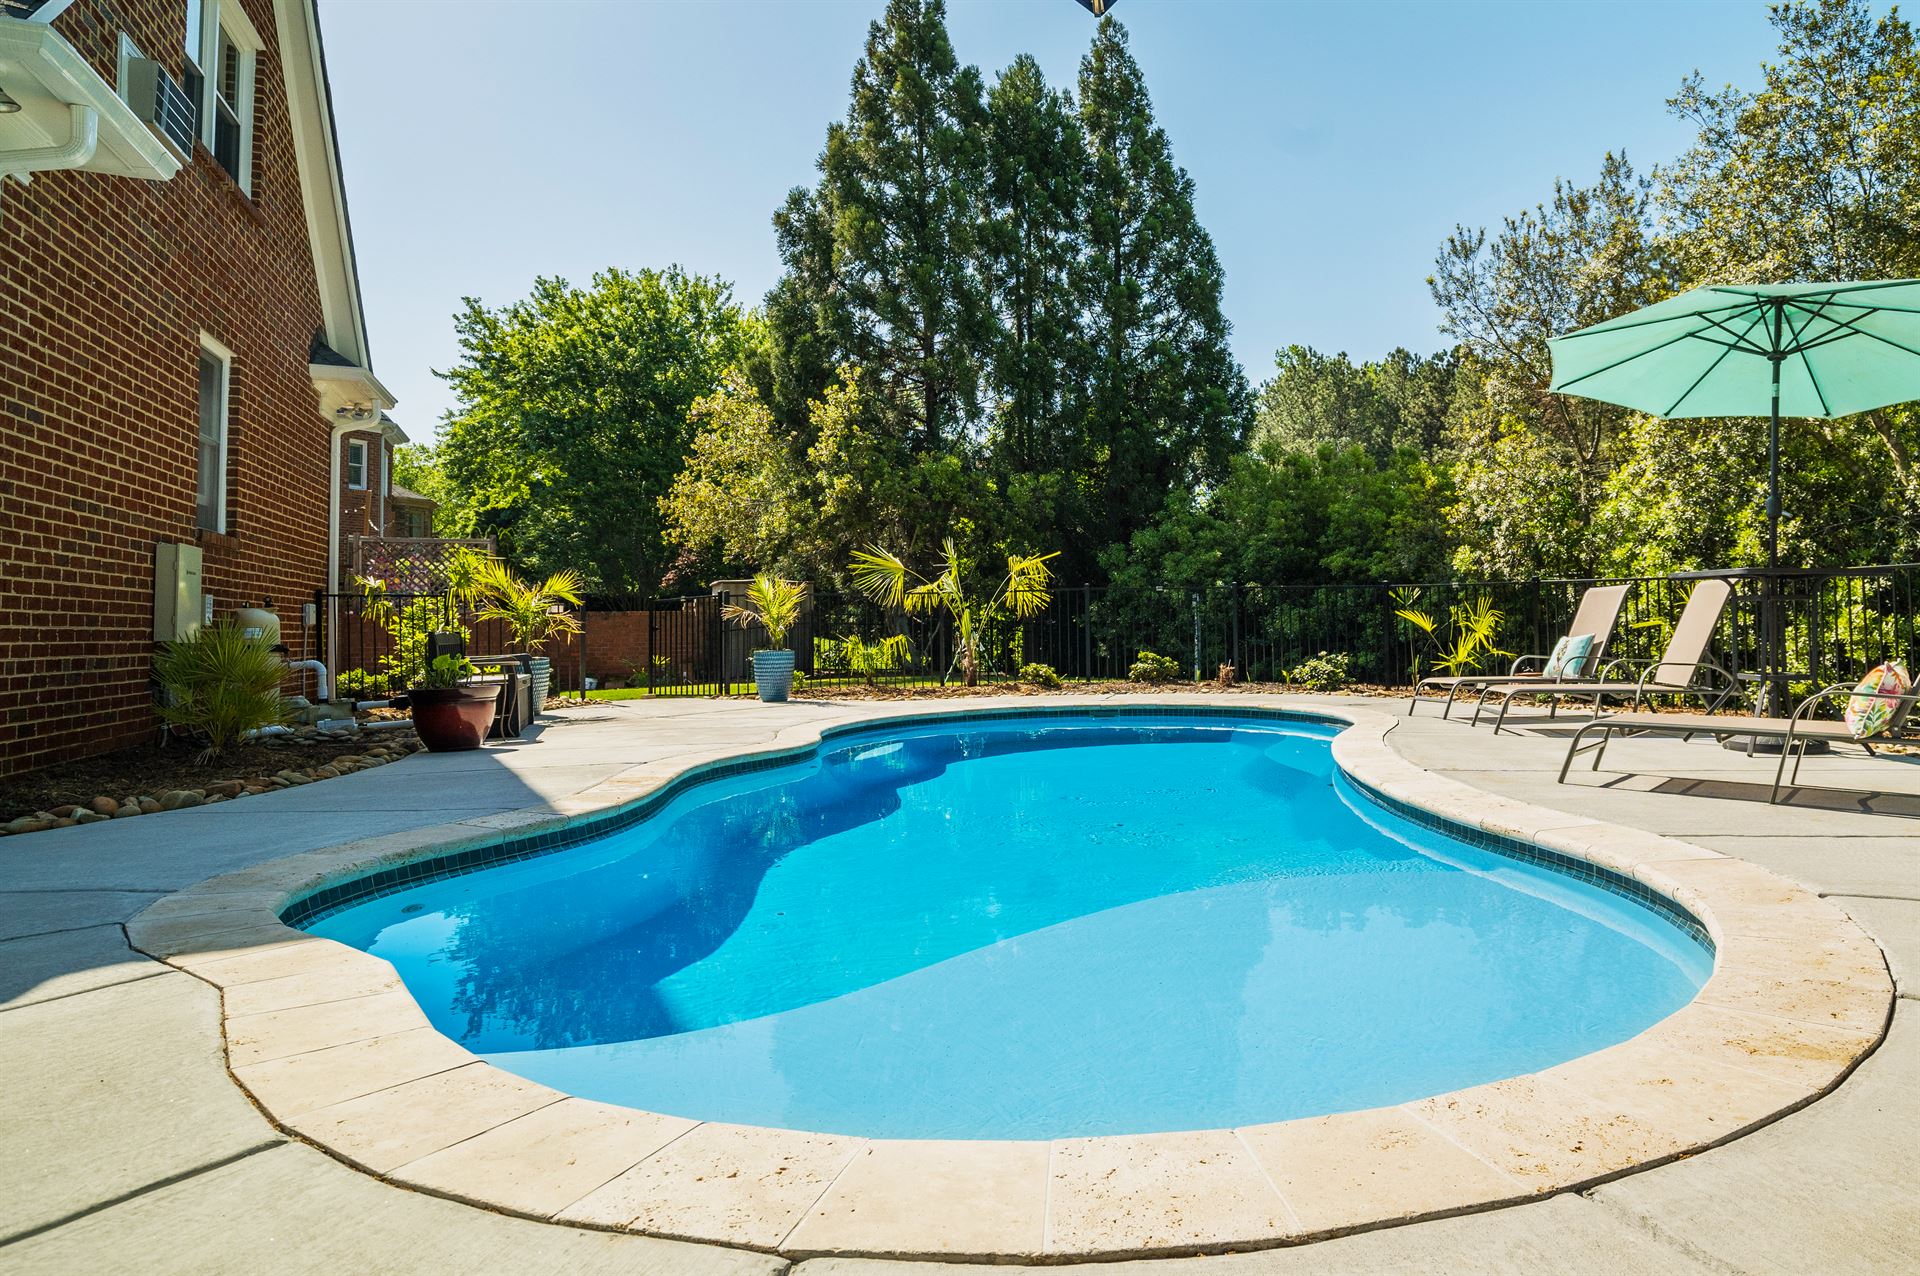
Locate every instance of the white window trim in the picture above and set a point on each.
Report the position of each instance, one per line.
(129, 51)
(214, 15)
(347, 468)
(225, 356)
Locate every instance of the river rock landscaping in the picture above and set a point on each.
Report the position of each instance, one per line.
(151, 781)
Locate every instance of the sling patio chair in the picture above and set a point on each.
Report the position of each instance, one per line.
(1676, 673)
(1794, 733)
(1597, 614)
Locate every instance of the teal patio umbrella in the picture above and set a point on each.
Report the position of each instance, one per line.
(1774, 350)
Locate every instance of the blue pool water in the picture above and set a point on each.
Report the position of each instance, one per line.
(1028, 929)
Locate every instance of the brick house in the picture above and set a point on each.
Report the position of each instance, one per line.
(371, 503)
(182, 351)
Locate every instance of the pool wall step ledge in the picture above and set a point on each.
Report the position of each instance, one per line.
(335, 1051)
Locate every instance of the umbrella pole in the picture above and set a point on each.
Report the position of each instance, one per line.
(1776, 655)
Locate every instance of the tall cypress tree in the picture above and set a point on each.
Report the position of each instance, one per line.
(881, 257)
(1030, 241)
(1168, 403)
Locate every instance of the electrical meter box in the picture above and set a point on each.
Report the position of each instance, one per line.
(178, 605)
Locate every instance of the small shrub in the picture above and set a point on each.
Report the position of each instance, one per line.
(358, 684)
(869, 660)
(1324, 672)
(220, 684)
(1039, 675)
(1150, 667)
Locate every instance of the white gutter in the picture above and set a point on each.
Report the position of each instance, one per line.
(83, 135)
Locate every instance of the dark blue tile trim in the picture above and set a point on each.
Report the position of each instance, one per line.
(338, 896)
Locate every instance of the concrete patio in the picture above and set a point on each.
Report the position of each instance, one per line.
(128, 1144)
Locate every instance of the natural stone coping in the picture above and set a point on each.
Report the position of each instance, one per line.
(335, 1050)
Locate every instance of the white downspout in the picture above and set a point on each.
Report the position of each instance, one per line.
(83, 136)
(340, 430)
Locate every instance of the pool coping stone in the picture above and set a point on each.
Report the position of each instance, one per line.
(1799, 995)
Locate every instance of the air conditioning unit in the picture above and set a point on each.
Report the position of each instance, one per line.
(162, 104)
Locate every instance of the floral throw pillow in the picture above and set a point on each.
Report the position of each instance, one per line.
(1569, 658)
(1871, 708)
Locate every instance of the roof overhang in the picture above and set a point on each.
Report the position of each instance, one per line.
(44, 74)
(350, 395)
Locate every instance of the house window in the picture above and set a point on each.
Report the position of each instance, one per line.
(210, 486)
(357, 464)
(222, 53)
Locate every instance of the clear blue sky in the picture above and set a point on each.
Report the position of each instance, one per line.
(1333, 145)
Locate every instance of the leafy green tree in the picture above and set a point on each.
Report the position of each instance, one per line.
(1586, 255)
(1168, 404)
(750, 498)
(573, 417)
(1815, 176)
(1297, 517)
(1400, 401)
(880, 257)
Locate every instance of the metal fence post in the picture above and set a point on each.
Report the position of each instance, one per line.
(1086, 632)
(722, 676)
(1196, 636)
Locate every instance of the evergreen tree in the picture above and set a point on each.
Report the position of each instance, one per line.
(1168, 403)
(1030, 241)
(881, 257)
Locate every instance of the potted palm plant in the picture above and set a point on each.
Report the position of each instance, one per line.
(774, 604)
(452, 712)
(533, 612)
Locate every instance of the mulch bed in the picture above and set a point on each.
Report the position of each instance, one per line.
(148, 770)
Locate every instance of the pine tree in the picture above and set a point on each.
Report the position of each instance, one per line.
(881, 257)
(1030, 240)
(1168, 403)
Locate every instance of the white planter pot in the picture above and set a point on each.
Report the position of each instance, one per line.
(773, 675)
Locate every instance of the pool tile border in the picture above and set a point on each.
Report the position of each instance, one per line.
(1798, 997)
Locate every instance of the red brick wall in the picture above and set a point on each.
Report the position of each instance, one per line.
(360, 507)
(106, 284)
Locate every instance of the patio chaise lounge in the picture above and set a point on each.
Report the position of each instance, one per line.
(1794, 733)
(1597, 614)
(1675, 673)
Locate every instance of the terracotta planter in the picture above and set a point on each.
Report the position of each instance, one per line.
(450, 719)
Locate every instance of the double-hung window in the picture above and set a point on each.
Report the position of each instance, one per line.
(357, 464)
(222, 60)
(210, 485)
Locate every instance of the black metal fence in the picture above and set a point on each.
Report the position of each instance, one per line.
(377, 647)
(1835, 625)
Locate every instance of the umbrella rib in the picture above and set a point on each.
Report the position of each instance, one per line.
(1825, 409)
(1619, 325)
(1638, 354)
(1751, 347)
(1757, 315)
(1860, 305)
(1851, 329)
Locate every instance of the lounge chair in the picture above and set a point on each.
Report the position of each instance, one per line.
(1801, 729)
(1675, 673)
(1597, 614)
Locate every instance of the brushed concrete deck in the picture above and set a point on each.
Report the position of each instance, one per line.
(127, 1142)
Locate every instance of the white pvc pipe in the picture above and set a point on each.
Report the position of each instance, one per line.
(319, 673)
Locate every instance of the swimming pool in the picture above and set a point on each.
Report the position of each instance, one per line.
(1028, 928)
